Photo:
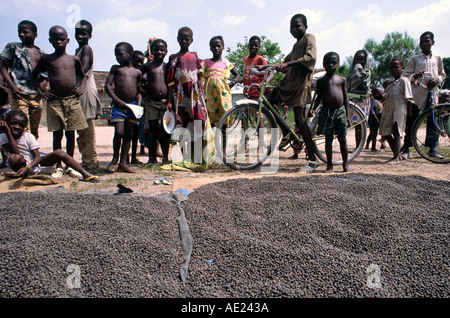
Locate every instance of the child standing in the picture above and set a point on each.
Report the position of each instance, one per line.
(19, 60)
(137, 60)
(155, 97)
(123, 85)
(333, 116)
(64, 112)
(376, 109)
(415, 69)
(217, 72)
(90, 102)
(396, 107)
(295, 88)
(185, 85)
(22, 148)
(253, 59)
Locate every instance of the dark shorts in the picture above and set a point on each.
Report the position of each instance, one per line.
(332, 121)
(119, 116)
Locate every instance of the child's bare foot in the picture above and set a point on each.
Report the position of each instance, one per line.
(135, 161)
(124, 168)
(345, 167)
(329, 169)
(393, 161)
(111, 165)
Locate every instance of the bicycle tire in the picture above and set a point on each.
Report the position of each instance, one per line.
(356, 136)
(422, 138)
(244, 149)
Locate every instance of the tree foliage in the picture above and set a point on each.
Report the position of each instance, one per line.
(446, 61)
(394, 45)
(271, 51)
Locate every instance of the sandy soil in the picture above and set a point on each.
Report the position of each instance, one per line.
(142, 180)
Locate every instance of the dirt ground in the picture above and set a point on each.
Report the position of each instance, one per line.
(143, 180)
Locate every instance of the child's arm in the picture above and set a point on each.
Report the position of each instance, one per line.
(15, 91)
(237, 76)
(11, 146)
(40, 67)
(346, 102)
(110, 89)
(79, 90)
(139, 88)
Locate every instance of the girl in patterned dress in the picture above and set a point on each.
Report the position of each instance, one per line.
(186, 97)
(216, 72)
(184, 76)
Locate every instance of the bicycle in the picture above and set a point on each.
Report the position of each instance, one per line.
(248, 133)
(431, 130)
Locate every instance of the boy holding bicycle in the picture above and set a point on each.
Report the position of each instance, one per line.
(415, 70)
(333, 117)
(295, 88)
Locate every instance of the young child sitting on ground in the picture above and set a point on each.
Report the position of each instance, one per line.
(333, 116)
(23, 153)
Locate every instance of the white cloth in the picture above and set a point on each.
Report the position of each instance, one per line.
(26, 143)
(427, 63)
(395, 107)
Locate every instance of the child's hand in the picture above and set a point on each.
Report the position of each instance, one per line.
(77, 91)
(47, 95)
(281, 67)
(16, 91)
(4, 127)
(21, 172)
(169, 106)
(432, 83)
(418, 74)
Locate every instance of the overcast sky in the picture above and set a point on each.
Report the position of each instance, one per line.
(341, 26)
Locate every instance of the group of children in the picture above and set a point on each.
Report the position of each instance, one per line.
(195, 89)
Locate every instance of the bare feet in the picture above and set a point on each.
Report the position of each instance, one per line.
(124, 168)
(393, 161)
(135, 161)
(329, 169)
(294, 156)
(346, 169)
(111, 165)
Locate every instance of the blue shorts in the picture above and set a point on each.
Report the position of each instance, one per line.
(120, 116)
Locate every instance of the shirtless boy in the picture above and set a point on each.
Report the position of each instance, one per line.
(64, 111)
(123, 85)
(155, 99)
(333, 117)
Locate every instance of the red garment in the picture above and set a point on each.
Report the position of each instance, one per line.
(253, 92)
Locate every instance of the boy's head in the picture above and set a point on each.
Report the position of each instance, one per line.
(27, 31)
(58, 38)
(331, 62)
(396, 66)
(159, 49)
(123, 52)
(185, 37)
(444, 97)
(137, 59)
(377, 93)
(83, 32)
(254, 45)
(299, 25)
(426, 42)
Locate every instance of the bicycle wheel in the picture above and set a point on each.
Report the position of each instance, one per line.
(356, 136)
(242, 143)
(427, 135)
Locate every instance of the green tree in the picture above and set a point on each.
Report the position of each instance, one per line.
(270, 50)
(394, 45)
(446, 61)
